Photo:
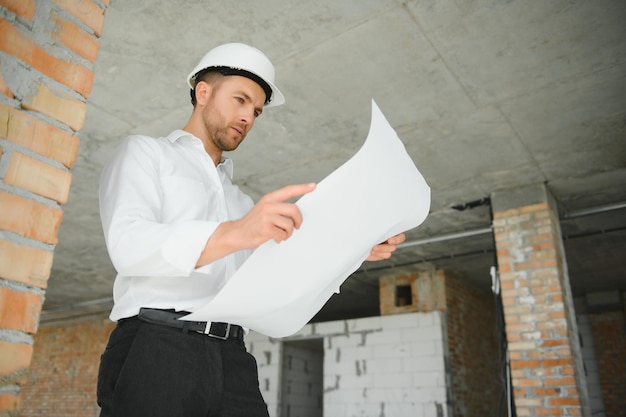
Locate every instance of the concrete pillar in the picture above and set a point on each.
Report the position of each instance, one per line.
(47, 49)
(545, 355)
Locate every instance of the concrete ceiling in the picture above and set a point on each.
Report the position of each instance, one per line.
(486, 95)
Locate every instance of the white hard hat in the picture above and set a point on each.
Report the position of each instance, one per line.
(244, 60)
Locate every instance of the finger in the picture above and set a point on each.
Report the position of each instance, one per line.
(286, 224)
(289, 191)
(288, 212)
(397, 239)
(279, 234)
(377, 255)
(384, 249)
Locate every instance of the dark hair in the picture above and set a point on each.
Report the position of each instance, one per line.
(208, 75)
(225, 71)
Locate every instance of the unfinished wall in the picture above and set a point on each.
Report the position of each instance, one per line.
(590, 359)
(475, 361)
(64, 370)
(62, 376)
(470, 336)
(302, 379)
(609, 334)
(392, 365)
(47, 48)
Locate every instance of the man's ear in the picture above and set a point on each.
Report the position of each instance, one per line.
(203, 92)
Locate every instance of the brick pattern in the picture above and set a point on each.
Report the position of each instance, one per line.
(29, 218)
(16, 41)
(38, 177)
(540, 336)
(24, 264)
(89, 12)
(427, 291)
(46, 75)
(74, 38)
(38, 136)
(20, 309)
(64, 370)
(22, 8)
(472, 349)
(609, 334)
(350, 348)
(15, 359)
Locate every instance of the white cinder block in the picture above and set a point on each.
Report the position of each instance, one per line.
(347, 396)
(439, 347)
(330, 327)
(424, 348)
(391, 365)
(423, 363)
(358, 381)
(400, 321)
(343, 340)
(428, 333)
(353, 352)
(392, 350)
(398, 380)
(428, 379)
(345, 367)
(428, 395)
(435, 409)
(369, 323)
(335, 410)
(385, 366)
(402, 409)
(383, 337)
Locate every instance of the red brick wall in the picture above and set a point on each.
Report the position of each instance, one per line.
(609, 334)
(64, 370)
(427, 292)
(43, 99)
(472, 347)
(546, 362)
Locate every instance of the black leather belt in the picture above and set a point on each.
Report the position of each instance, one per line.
(170, 318)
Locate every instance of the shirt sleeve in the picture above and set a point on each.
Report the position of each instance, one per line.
(130, 205)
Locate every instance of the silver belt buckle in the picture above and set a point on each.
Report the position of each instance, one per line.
(207, 331)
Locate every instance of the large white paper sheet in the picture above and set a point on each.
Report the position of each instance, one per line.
(376, 194)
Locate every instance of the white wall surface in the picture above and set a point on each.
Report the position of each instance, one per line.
(378, 366)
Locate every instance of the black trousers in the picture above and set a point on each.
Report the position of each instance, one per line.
(157, 371)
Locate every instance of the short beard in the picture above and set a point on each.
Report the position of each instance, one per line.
(219, 135)
(220, 139)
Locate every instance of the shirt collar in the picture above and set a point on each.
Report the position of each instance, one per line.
(226, 164)
(177, 134)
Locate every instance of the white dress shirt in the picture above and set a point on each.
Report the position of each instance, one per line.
(160, 201)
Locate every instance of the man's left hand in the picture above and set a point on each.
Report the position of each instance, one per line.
(385, 249)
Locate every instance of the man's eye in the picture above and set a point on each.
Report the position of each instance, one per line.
(239, 99)
(256, 114)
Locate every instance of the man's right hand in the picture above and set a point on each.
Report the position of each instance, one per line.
(271, 218)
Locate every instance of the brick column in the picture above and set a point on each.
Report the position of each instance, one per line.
(47, 48)
(546, 361)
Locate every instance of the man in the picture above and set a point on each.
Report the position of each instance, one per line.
(176, 229)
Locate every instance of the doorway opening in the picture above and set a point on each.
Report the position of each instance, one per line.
(302, 381)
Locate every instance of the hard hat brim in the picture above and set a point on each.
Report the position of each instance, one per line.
(276, 99)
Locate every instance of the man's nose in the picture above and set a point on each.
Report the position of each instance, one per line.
(247, 116)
